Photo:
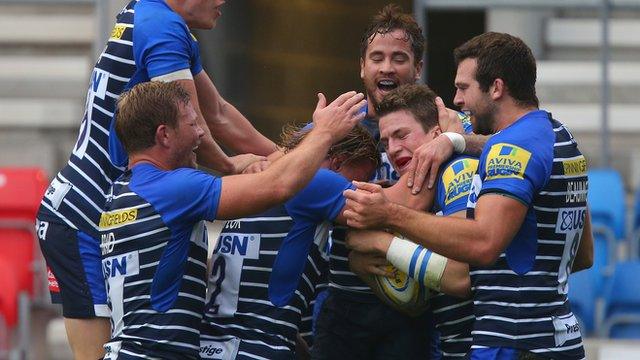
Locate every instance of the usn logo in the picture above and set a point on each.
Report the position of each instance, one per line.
(121, 265)
(235, 244)
(570, 219)
(457, 179)
(506, 161)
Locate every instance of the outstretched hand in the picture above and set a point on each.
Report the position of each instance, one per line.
(428, 157)
(340, 116)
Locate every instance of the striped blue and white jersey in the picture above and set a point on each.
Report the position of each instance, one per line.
(154, 253)
(147, 41)
(452, 316)
(266, 269)
(521, 301)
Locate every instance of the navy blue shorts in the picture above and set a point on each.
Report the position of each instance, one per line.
(74, 268)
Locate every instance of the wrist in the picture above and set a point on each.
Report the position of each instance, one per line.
(383, 244)
(457, 140)
(393, 218)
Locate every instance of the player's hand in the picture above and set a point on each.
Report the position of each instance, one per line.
(340, 116)
(448, 119)
(428, 157)
(367, 264)
(302, 348)
(242, 161)
(256, 167)
(367, 207)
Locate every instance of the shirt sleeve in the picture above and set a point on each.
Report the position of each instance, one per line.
(194, 195)
(163, 45)
(454, 185)
(518, 167)
(321, 199)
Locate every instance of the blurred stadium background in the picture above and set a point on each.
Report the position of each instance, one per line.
(269, 58)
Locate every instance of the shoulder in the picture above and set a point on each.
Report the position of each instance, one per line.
(183, 181)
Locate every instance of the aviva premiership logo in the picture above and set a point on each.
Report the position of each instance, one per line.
(457, 179)
(506, 161)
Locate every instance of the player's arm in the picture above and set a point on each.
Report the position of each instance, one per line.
(429, 269)
(584, 256)
(209, 153)
(477, 241)
(252, 193)
(226, 123)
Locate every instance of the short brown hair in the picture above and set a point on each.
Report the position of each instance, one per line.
(145, 107)
(358, 145)
(392, 18)
(418, 99)
(503, 56)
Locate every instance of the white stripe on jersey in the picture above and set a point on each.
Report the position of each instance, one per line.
(256, 268)
(562, 193)
(352, 288)
(516, 288)
(253, 356)
(103, 110)
(162, 327)
(138, 236)
(564, 143)
(271, 320)
(562, 348)
(510, 272)
(450, 307)
(512, 337)
(172, 311)
(99, 127)
(269, 236)
(244, 328)
(95, 163)
(268, 303)
(156, 247)
(118, 59)
(119, 78)
(197, 262)
(134, 283)
(174, 343)
(191, 296)
(501, 303)
(268, 252)
(195, 280)
(548, 257)
(559, 159)
(552, 242)
(457, 321)
(514, 321)
(148, 265)
(343, 258)
(123, 42)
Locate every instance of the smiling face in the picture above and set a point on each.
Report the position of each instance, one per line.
(401, 134)
(388, 63)
(471, 99)
(186, 137)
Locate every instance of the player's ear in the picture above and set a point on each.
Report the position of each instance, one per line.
(163, 136)
(436, 131)
(497, 89)
(335, 163)
(419, 65)
(362, 68)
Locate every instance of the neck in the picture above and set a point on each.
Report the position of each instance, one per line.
(510, 113)
(151, 156)
(371, 110)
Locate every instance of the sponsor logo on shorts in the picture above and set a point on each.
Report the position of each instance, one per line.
(506, 161)
(457, 179)
(52, 281)
(117, 218)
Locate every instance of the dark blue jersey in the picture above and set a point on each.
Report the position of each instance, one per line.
(154, 253)
(148, 40)
(266, 271)
(521, 301)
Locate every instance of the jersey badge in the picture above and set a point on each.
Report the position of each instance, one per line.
(506, 161)
(457, 179)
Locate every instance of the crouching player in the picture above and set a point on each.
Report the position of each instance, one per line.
(409, 119)
(154, 245)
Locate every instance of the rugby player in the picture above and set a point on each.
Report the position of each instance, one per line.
(151, 40)
(525, 227)
(408, 119)
(391, 53)
(241, 319)
(154, 247)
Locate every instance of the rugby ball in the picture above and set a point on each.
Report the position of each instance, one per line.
(402, 292)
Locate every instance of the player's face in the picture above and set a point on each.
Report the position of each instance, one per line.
(470, 98)
(188, 135)
(201, 14)
(387, 64)
(401, 134)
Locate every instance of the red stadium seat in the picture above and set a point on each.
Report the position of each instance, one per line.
(22, 270)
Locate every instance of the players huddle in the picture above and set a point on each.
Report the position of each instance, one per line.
(314, 260)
